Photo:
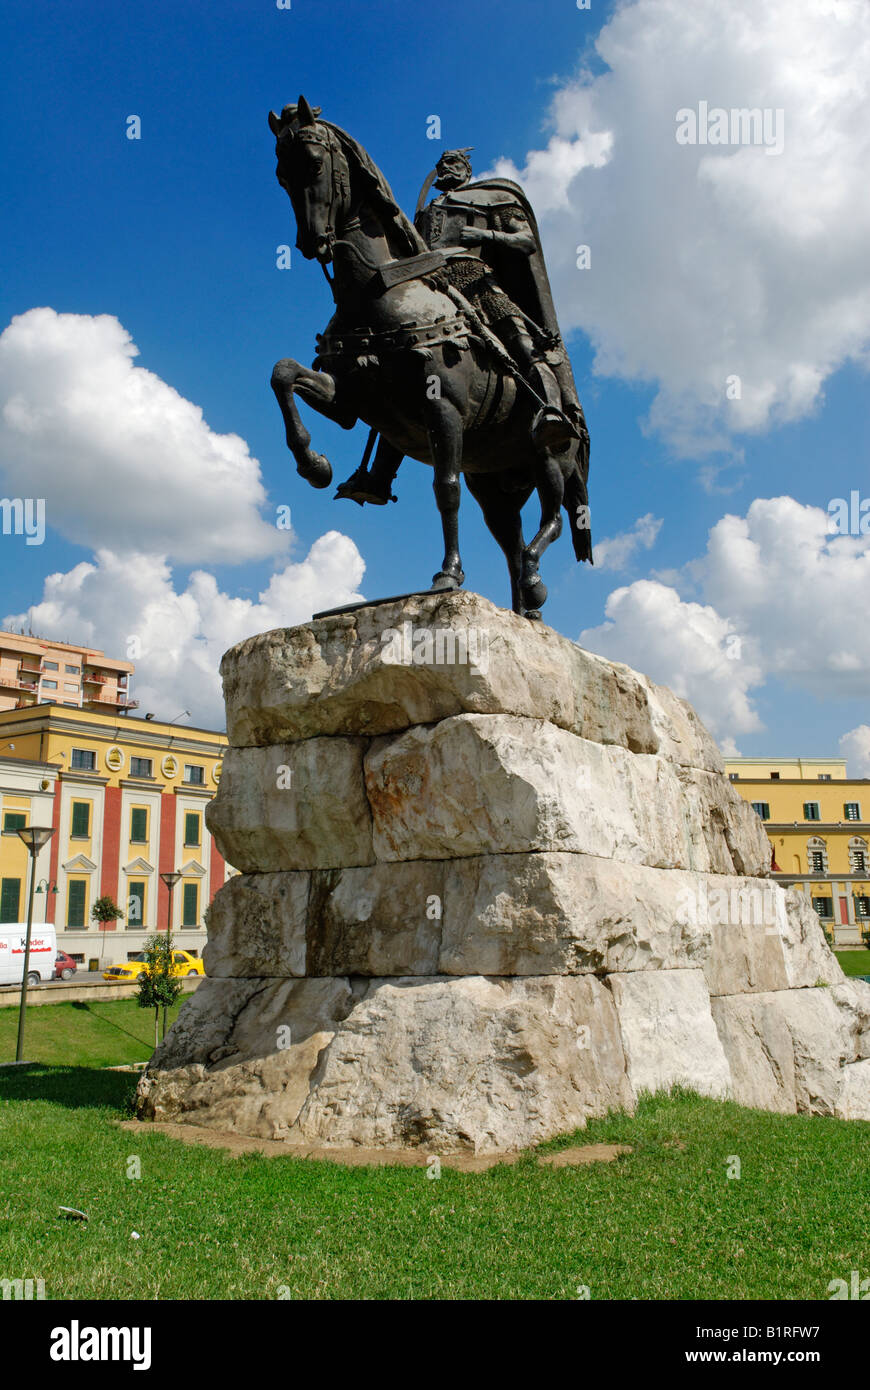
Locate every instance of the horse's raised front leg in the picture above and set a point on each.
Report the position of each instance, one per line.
(444, 425)
(319, 390)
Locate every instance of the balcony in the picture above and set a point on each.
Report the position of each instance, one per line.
(118, 701)
(17, 684)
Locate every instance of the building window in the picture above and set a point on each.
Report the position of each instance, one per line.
(135, 905)
(70, 685)
(49, 685)
(194, 773)
(49, 666)
(72, 670)
(761, 808)
(83, 760)
(852, 810)
(824, 776)
(824, 906)
(858, 857)
(191, 828)
(811, 810)
(862, 907)
(817, 861)
(190, 905)
(81, 820)
(141, 767)
(13, 821)
(75, 910)
(139, 825)
(10, 894)
(774, 777)
(733, 776)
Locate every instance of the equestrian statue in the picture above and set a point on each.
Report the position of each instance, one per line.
(444, 341)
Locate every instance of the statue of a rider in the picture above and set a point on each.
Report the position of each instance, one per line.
(487, 232)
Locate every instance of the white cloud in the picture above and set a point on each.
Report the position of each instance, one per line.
(713, 261)
(614, 552)
(855, 747)
(687, 646)
(122, 460)
(782, 597)
(183, 635)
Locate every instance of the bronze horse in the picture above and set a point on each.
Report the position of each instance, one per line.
(401, 355)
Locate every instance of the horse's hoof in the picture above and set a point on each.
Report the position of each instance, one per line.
(445, 580)
(533, 594)
(533, 614)
(317, 470)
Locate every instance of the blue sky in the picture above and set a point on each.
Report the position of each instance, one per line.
(175, 236)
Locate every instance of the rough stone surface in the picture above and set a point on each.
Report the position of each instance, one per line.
(852, 998)
(521, 914)
(297, 806)
(478, 784)
(486, 894)
(757, 1042)
(854, 1099)
(329, 677)
(787, 1049)
(470, 1063)
(668, 1032)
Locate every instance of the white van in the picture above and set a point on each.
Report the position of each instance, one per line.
(43, 952)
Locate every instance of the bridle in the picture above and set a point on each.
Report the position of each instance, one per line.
(339, 179)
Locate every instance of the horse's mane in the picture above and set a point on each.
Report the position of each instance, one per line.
(402, 233)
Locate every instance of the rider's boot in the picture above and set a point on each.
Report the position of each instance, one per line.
(373, 484)
(550, 427)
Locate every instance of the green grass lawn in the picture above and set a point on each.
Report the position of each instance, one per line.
(663, 1222)
(102, 1034)
(854, 962)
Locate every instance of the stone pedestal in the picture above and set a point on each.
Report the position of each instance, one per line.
(490, 885)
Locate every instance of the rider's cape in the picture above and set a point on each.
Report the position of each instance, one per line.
(524, 279)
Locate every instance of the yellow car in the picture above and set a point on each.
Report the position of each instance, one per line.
(183, 963)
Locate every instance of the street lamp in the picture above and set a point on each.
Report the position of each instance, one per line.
(34, 837)
(170, 879)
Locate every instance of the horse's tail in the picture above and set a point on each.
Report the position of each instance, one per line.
(576, 501)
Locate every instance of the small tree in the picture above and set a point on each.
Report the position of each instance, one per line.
(105, 910)
(158, 987)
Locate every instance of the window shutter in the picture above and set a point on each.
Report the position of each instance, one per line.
(10, 894)
(81, 819)
(191, 828)
(139, 824)
(135, 904)
(190, 904)
(76, 912)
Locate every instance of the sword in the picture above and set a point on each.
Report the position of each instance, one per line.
(500, 351)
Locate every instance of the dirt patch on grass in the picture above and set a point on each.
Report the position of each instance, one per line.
(585, 1153)
(236, 1144)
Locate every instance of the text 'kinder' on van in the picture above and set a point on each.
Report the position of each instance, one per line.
(43, 952)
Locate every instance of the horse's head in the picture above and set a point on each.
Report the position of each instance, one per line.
(313, 171)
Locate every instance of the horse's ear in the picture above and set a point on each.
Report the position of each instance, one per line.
(274, 123)
(306, 115)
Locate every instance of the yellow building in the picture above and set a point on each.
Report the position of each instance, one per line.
(818, 823)
(126, 798)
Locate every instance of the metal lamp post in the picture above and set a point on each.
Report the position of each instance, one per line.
(170, 879)
(34, 836)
